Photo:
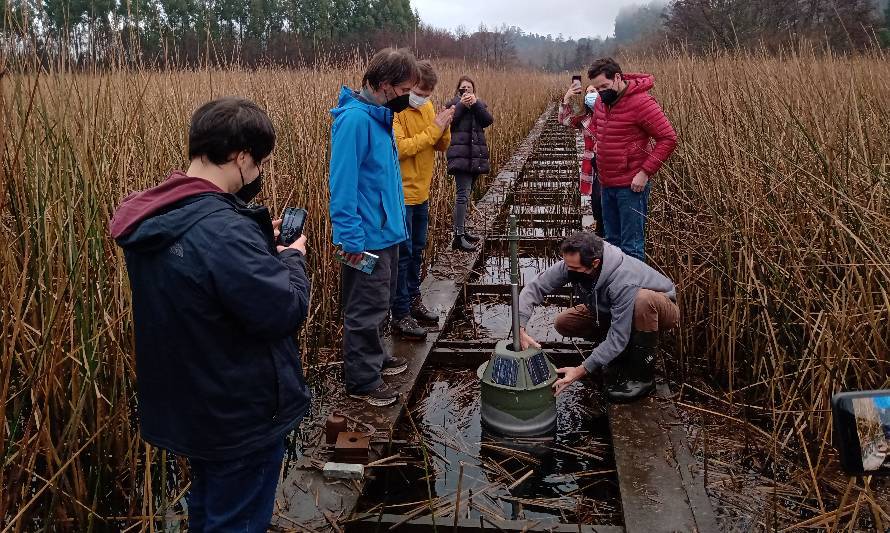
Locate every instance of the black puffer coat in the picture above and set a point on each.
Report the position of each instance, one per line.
(468, 152)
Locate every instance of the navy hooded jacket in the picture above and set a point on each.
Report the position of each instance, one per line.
(215, 312)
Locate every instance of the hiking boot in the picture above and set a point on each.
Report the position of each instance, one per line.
(379, 397)
(631, 375)
(461, 243)
(472, 239)
(407, 328)
(420, 312)
(393, 366)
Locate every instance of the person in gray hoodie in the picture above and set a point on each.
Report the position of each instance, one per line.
(623, 300)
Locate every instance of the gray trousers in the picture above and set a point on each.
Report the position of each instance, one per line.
(463, 184)
(366, 300)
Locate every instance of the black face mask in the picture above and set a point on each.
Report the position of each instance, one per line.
(249, 191)
(579, 277)
(399, 103)
(609, 96)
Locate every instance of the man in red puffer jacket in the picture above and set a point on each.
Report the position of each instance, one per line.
(633, 139)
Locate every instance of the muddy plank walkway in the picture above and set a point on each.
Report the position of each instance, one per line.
(659, 486)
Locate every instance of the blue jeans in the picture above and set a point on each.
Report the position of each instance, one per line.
(236, 495)
(624, 219)
(417, 220)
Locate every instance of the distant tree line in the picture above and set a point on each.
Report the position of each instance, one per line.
(253, 32)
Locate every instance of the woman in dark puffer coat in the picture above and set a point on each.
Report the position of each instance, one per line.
(467, 154)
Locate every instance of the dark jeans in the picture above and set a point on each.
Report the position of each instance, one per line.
(236, 495)
(463, 185)
(417, 220)
(624, 219)
(596, 204)
(367, 299)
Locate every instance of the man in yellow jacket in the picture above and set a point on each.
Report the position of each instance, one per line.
(420, 132)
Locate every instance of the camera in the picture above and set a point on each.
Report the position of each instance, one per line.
(861, 422)
(292, 223)
(462, 91)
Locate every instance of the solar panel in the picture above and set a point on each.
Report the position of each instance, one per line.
(505, 371)
(538, 369)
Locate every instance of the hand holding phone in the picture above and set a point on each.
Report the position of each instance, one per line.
(292, 223)
(862, 431)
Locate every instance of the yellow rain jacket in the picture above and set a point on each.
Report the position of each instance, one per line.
(418, 138)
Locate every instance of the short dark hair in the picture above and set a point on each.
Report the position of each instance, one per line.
(228, 125)
(428, 78)
(606, 66)
(463, 79)
(587, 244)
(393, 66)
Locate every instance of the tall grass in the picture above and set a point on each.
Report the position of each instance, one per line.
(75, 144)
(774, 219)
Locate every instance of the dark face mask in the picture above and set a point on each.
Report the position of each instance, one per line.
(579, 277)
(609, 96)
(399, 103)
(249, 191)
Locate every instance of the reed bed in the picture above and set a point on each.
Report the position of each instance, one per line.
(774, 219)
(74, 145)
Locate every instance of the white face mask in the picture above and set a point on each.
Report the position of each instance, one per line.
(417, 101)
(590, 99)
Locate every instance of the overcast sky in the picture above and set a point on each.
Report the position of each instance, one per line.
(572, 18)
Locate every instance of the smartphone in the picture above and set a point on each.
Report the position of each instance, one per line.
(292, 223)
(576, 77)
(366, 265)
(861, 422)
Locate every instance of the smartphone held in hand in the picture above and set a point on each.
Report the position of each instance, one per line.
(366, 265)
(292, 223)
(862, 431)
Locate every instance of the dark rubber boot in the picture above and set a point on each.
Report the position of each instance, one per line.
(633, 375)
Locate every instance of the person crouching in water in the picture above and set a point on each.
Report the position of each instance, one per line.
(622, 297)
(420, 132)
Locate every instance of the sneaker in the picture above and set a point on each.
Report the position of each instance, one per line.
(420, 312)
(472, 239)
(460, 243)
(406, 327)
(379, 397)
(393, 366)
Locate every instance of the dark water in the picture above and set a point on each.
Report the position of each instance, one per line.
(572, 476)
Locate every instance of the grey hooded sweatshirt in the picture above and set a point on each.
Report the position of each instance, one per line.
(620, 277)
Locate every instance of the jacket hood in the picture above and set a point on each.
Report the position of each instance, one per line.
(350, 99)
(156, 218)
(638, 83)
(612, 259)
(141, 205)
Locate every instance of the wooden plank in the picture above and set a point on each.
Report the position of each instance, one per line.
(381, 523)
(658, 492)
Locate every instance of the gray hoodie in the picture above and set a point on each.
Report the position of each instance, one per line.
(616, 289)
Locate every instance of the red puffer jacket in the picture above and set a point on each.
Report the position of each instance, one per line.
(632, 135)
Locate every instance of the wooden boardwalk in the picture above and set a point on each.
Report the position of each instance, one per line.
(660, 488)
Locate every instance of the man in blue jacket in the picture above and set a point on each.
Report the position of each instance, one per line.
(368, 215)
(216, 307)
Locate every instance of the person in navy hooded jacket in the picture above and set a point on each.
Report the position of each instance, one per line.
(368, 215)
(216, 307)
